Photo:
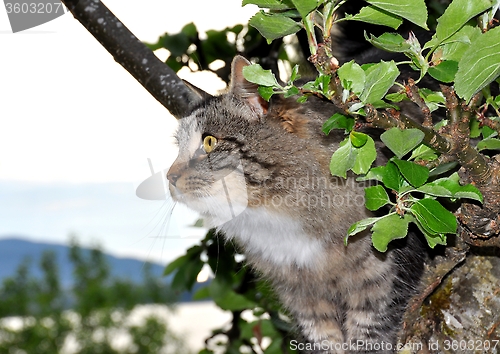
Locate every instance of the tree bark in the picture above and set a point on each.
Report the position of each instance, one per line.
(462, 314)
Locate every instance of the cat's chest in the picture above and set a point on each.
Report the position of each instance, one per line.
(275, 239)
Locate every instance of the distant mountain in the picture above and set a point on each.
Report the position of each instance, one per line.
(14, 250)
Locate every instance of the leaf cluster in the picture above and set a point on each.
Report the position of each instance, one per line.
(214, 53)
(460, 52)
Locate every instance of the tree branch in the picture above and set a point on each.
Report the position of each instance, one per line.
(156, 77)
(468, 157)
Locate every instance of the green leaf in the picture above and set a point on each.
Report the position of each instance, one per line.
(458, 13)
(338, 121)
(375, 173)
(359, 226)
(433, 240)
(256, 74)
(392, 178)
(186, 274)
(395, 43)
(273, 26)
(376, 197)
(343, 159)
(201, 294)
(489, 144)
(445, 71)
(324, 83)
(387, 229)
(302, 99)
(383, 104)
(352, 77)
(391, 42)
(487, 132)
(455, 46)
(275, 347)
(396, 97)
(358, 139)
(177, 44)
(450, 187)
(365, 156)
(266, 92)
(432, 99)
(234, 302)
(348, 157)
(415, 174)
(443, 168)
(376, 16)
(423, 152)
(269, 4)
(475, 129)
(379, 79)
(431, 96)
(177, 263)
(434, 217)
(412, 10)
(295, 74)
(218, 288)
(215, 46)
(401, 142)
(305, 6)
(292, 91)
(480, 65)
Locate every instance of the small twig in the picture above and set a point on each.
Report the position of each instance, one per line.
(311, 35)
(441, 160)
(487, 122)
(414, 96)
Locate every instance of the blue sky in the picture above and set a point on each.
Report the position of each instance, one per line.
(76, 131)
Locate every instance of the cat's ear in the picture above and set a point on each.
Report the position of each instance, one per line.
(197, 92)
(246, 90)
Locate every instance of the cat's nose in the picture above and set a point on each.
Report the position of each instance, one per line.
(172, 177)
(175, 172)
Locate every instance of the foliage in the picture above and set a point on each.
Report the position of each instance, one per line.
(187, 49)
(459, 51)
(38, 316)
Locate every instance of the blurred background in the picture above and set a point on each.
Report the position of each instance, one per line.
(76, 133)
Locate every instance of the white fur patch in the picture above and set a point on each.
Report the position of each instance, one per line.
(275, 238)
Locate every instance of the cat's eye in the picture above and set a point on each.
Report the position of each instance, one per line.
(209, 143)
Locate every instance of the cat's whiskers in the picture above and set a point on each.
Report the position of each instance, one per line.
(160, 224)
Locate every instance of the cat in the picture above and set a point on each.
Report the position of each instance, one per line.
(259, 172)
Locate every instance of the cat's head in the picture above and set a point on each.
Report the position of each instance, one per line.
(237, 151)
(208, 173)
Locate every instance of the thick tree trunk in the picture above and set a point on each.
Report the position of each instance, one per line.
(462, 314)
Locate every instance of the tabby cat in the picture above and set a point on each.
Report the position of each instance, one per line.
(259, 172)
